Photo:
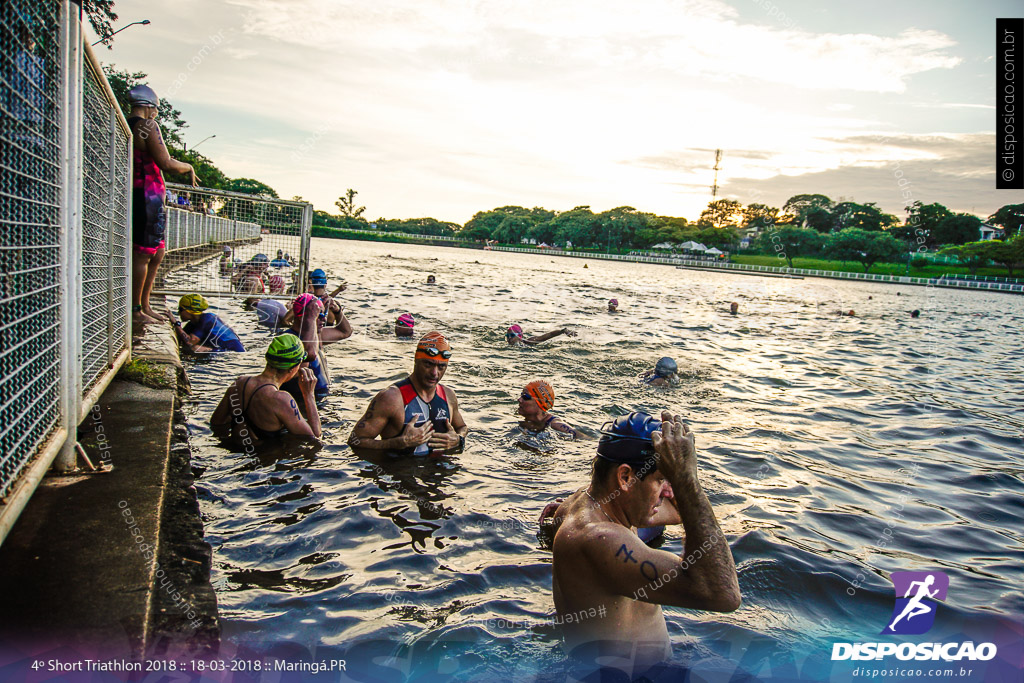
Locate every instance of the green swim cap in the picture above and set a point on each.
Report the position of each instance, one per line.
(285, 352)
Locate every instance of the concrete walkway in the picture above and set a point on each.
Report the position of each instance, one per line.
(90, 567)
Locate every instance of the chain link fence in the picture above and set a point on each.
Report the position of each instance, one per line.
(31, 200)
(229, 243)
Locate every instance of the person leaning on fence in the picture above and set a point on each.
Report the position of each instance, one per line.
(250, 411)
(149, 217)
(203, 331)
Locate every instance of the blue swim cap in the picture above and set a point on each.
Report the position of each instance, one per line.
(318, 277)
(627, 439)
(665, 367)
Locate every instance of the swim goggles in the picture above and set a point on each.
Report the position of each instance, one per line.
(433, 352)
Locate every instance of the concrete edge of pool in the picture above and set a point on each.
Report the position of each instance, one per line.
(115, 564)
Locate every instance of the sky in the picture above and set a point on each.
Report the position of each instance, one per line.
(444, 108)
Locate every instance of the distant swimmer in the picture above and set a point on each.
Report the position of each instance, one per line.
(270, 312)
(645, 474)
(613, 305)
(281, 261)
(251, 411)
(535, 401)
(225, 264)
(203, 331)
(247, 278)
(915, 313)
(418, 415)
(514, 336)
(308, 324)
(663, 374)
(431, 280)
(734, 308)
(276, 284)
(405, 325)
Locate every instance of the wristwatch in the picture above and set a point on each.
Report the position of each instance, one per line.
(462, 443)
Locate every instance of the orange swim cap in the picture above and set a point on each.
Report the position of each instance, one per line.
(542, 393)
(433, 345)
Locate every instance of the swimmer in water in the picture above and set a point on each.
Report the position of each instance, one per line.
(734, 308)
(915, 313)
(613, 305)
(431, 280)
(404, 326)
(200, 330)
(645, 473)
(534, 403)
(247, 413)
(514, 336)
(418, 415)
(663, 374)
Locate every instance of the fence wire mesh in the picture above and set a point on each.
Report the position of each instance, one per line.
(229, 243)
(31, 190)
(106, 169)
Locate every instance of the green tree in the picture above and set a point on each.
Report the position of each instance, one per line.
(863, 216)
(722, 238)
(101, 16)
(820, 220)
(578, 226)
(973, 255)
(250, 186)
(1010, 218)
(347, 205)
(864, 246)
(789, 241)
(1009, 253)
(922, 220)
(800, 205)
(960, 228)
(760, 216)
(722, 212)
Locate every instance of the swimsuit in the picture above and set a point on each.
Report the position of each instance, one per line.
(437, 411)
(260, 433)
(323, 385)
(212, 332)
(149, 218)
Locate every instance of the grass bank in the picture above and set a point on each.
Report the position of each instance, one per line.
(931, 270)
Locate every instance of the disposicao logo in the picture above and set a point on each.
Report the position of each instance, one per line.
(917, 597)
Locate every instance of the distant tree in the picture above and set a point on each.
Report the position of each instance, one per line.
(725, 239)
(820, 220)
(922, 219)
(347, 205)
(722, 212)
(624, 226)
(250, 186)
(864, 246)
(415, 226)
(863, 216)
(1008, 253)
(759, 216)
(798, 206)
(1010, 218)
(483, 224)
(973, 255)
(789, 241)
(579, 226)
(959, 228)
(101, 16)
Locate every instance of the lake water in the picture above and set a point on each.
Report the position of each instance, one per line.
(835, 450)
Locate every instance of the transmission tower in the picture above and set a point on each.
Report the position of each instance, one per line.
(714, 188)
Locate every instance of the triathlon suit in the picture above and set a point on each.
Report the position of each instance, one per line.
(212, 332)
(149, 218)
(322, 388)
(259, 432)
(437, 411)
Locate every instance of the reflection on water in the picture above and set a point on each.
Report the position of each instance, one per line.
(834, 449)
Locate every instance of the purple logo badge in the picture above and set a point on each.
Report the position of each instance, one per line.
(917, 597)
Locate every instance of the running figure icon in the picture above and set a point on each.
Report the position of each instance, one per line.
(917, 597)
(915, 607)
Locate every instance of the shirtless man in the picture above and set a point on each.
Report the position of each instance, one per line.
(417, 416)
(645, 473)
(537, 398)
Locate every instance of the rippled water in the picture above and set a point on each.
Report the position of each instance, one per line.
(834, 449)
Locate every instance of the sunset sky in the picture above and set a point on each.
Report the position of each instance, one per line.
(442, 108)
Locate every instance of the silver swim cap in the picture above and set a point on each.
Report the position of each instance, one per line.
(665, 367)
(143, 95)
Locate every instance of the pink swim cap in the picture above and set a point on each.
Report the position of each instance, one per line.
(613, 302)
(406, 320)
(300, 303)
(515, 331)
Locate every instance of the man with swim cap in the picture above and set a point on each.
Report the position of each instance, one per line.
(613, 305)
(404, 325)
(645, 474)
(308, 324)
(203, 331)
(514, 336)
(318, 287)
(663, 374)
(418, 415)
(734, 308)
(250, 412)
(535, 401)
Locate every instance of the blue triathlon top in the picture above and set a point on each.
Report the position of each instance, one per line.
(212, 332)
(323, 386)
(437, 411)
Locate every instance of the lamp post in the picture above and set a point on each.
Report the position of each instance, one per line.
(202, 141)
(144, 22)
